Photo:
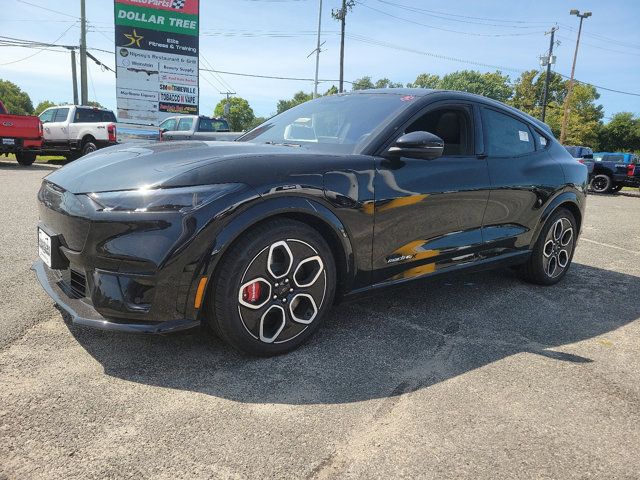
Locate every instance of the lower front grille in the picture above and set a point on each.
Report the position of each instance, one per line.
(78, 282)
(73, 283)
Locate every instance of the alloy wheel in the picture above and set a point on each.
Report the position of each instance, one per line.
(281, 291)
(558, 247)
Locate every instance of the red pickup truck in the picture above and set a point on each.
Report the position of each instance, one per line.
(21, 135)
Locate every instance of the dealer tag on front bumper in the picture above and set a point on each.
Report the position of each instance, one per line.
(44, 247)
(8, 141)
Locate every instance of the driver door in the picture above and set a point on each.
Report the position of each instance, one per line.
(428, 213)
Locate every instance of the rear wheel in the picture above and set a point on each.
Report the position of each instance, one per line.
(552, 254)
(272, 288)
(88, 147)
(25, 158)
(616, 188)
(601, 183)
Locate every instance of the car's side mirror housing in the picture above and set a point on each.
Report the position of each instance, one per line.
(419, 144)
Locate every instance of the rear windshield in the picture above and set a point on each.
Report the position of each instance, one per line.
(580, 152)
(613, 158)
(213, 125)
(91, 115)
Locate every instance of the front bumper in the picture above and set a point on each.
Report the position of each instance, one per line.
(82, 313)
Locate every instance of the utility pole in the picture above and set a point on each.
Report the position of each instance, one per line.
(315, 83)
(549, 61)
(84, 88)
(341, 14)
(74, 76)
(565, 116)
(227, 106)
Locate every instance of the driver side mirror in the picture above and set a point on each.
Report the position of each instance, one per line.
(419, 144)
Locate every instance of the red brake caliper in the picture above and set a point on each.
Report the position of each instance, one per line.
(251, 293)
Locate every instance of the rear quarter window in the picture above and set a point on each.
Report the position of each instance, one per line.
(506, 136)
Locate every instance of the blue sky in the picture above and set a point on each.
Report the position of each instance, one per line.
(274, 37)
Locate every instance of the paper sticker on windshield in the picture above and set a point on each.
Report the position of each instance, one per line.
(407, 98)
(524, 136)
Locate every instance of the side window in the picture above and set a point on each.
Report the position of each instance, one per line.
(505, 136)
(205, 125)
(108, 116)
(61, 115)
(452, 124)
(48, 115)
(169, 125)
(184, 125)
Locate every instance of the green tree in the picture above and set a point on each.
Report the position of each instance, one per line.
(257, 121)
(363, 83)
(93, 103)
(426, 80)
(298, 98)
(493, 85)
(528, 90)
(386, 83)
(366, 83)
(585, 117)
(43, 105)
(332, 91)
(15, 100)
(622, 133)
(240, 115)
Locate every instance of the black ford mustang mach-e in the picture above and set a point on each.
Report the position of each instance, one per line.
(257, 238)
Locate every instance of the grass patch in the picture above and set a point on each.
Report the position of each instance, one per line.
(53, 159)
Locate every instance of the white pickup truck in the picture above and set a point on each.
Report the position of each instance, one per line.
(73, 130)
(197, 127)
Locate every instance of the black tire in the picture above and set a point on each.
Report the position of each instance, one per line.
(538, 269)
(25, 158)
(88, 147)
(278, 311)
(616, 188)
(601, 183)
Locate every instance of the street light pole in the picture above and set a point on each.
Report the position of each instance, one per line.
(565, 116)
(84, 87)
(315, 87)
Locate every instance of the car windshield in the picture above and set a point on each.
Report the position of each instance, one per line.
(337, 123)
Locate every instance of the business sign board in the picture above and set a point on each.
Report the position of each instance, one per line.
(157, 51)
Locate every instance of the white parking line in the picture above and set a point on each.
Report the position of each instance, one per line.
(610, 246)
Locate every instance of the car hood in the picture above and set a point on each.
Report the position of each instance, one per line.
(162, 164)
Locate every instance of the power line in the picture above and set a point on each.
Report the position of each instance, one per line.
(445, 29)
(371, 41)
(468, 20)
(600, 87)
(601, 48)
(273, 77)
(48, 9)
(42, 49)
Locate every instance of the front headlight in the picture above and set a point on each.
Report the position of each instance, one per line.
(180, 199)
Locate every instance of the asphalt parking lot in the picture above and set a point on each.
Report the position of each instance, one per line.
(478, 376)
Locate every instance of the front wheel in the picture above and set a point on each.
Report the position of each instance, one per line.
(273, 288)
(601, 183)
(552, 254)
(25, 158)
(616, 188)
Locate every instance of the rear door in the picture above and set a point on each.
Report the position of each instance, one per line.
(56, 131)
(523, 178)
(428, 213)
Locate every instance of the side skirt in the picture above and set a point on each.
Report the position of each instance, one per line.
(502, 261)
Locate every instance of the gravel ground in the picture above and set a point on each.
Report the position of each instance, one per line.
(477, 376)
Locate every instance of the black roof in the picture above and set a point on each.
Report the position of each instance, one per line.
(423, 92)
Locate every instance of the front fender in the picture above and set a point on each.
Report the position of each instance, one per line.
(297, 207)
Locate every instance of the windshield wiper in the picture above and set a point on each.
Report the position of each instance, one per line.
(283, 144)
